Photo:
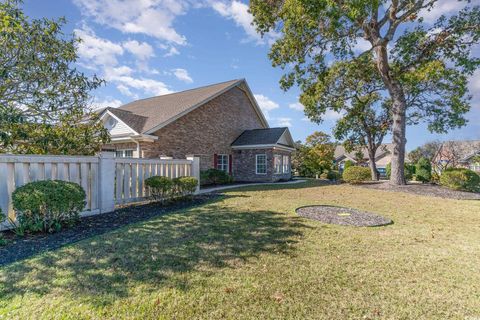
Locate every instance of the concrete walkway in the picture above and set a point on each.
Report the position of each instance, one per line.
(233, 186)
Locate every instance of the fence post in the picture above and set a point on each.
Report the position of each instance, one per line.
(106, 182)
(195, 172)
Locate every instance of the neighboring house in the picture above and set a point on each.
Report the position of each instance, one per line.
(221, 123)
(383, 157)
(458, 154)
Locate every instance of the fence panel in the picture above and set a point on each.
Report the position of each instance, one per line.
(131, 174)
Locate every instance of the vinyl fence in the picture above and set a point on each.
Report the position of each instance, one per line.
(107, 181)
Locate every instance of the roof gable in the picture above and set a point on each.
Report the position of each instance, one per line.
(157, 112)
(269, 136)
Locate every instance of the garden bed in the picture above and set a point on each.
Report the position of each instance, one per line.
(343, 216)
(423, 190)
(19, 248)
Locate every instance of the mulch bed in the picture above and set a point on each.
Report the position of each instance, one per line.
(343, 216)
(19, 248)
(423, 190)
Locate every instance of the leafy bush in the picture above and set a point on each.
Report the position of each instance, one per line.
(423, 171)
(348, 164)
(2, 218)
(47, 205)
(160, 187)
(409, 171)
(214, 176)
(356, 174)
(334, 175)
(460, 179)
(184, 186)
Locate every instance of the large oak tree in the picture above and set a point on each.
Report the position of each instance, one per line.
(424, 70)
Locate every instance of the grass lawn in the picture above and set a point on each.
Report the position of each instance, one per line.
(248, 256)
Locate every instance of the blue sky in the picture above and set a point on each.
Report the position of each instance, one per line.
(150, 47)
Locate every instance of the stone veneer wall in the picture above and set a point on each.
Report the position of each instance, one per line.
(244, 166)
(208, 130)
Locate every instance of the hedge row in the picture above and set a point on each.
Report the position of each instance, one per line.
(163, 188)
(460, 179)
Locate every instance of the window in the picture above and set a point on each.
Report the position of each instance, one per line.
(261, 164)
(286, 164)
(277, 162)
(124, 153)
(222, 162)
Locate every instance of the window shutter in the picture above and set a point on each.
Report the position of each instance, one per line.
(215, 160)
(230, 163)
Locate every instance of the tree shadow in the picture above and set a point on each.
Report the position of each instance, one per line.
(155, 254)
(309, 183)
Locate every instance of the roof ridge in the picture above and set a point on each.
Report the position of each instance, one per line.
(192, 89)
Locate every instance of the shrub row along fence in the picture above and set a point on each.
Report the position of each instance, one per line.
(107, 181)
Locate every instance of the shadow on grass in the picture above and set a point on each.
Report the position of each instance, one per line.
(155, 254)
(309, 183)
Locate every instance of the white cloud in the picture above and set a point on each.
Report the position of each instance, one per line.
(182, 75)
(296, 106)
(362, 45)
(172, 52)
(332, 115)
(238, 12)
(150, 17)
(474, 88)
(442, 7)
(266, 104)
(141, 50)
(146, 85)
(284, 122)
(113, 103)
(97, 51)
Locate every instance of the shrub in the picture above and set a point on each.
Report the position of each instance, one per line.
(356, 174)
(324, 176)
(214, 176)
(47, 205)
(348, 164)
(409, 171)
(160, 187)
(184, 186)
(460, 179)
(334, 175)
(423, 170)
(2, 218)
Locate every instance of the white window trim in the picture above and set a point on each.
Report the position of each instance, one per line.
(256, 164)
(228, 162)
(285, 165)
(123, 153)
(280, 167)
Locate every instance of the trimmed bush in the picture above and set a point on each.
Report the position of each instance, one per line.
(460, 179)
(356, 174)
(160, 187)
(423, 170)
(184, 186)
(214, 176)
(47, 205)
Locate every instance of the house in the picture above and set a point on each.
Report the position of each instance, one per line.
(383, 156)
(458, 154)
(222, 124)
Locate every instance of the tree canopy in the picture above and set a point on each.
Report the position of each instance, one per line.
(315, 156)
(422, 72)
(44, 100)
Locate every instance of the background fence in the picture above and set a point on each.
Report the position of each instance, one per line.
(107, 181)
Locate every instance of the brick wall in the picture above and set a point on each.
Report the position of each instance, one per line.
(244, 165)
(208, 130)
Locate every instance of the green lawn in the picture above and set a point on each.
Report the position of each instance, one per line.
(248, 256)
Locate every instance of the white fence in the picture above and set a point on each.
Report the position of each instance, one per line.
(107, 181)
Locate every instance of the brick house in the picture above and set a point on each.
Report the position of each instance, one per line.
(222, 124)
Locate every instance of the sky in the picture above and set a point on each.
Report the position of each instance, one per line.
(144, 48)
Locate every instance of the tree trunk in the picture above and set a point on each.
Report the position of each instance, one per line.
(373, 165)
(397, 176)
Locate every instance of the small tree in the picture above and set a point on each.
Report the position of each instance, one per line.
(428, 150)
(320, 152)
(423, 170)
(44, 100)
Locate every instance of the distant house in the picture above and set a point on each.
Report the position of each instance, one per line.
(383, 157)
(458, 154)
(220, 123)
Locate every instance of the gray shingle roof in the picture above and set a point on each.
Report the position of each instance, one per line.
(259, 136)
(152, 112)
